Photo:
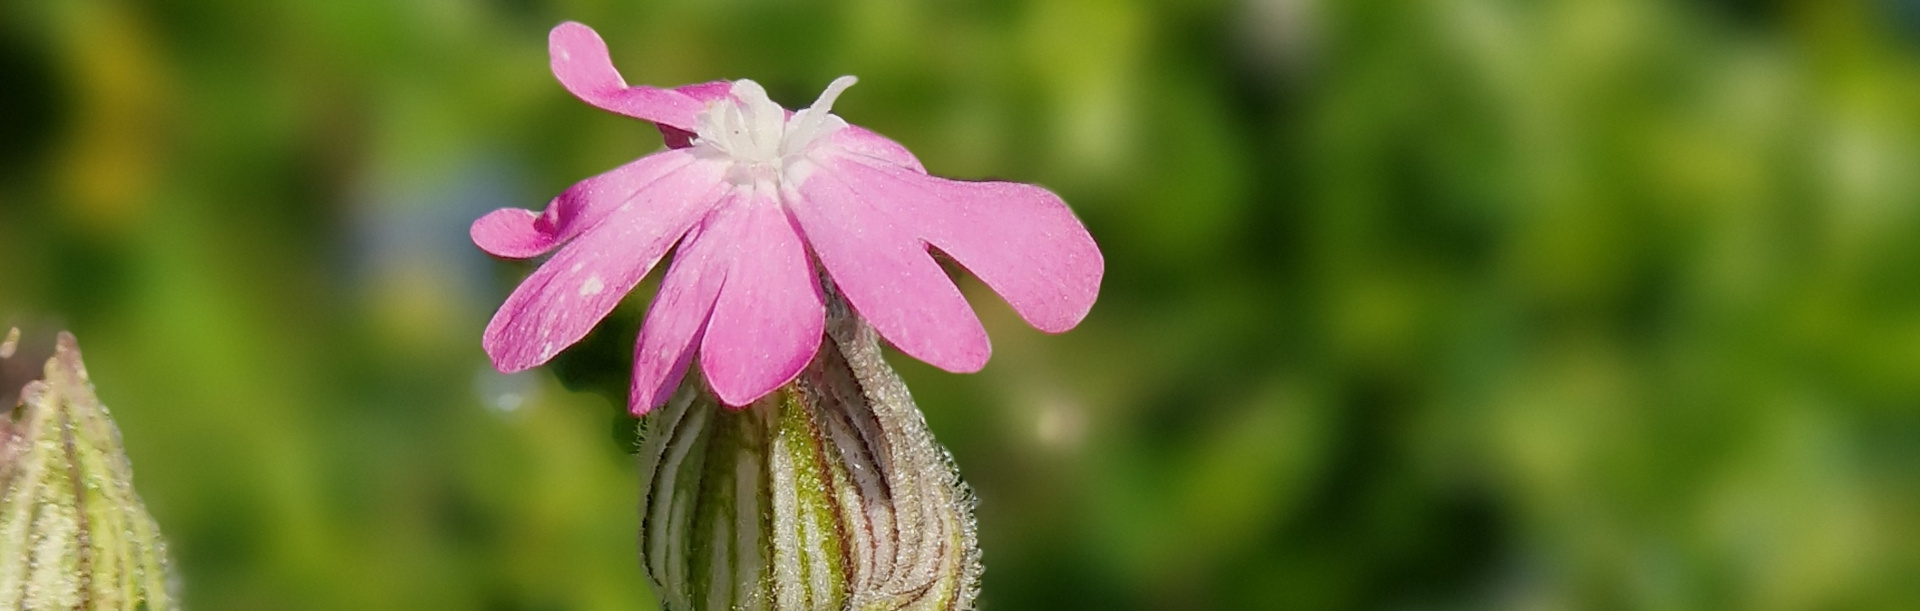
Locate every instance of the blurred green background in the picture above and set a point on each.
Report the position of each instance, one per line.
(1410, 304)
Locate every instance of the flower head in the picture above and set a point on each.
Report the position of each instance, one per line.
(753, 195)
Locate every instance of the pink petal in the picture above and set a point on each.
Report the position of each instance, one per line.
(856, 139)
(581, 62)
(680, 310)
(704, 92)
(561, 301)
(709, 91)
(675, 138)
(887, 275)
(1020, 239)
(510, 233)
(514, 233)
(770, 315)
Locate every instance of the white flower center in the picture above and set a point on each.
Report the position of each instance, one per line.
(766, 147)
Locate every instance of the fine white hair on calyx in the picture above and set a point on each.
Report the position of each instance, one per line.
(830, 493)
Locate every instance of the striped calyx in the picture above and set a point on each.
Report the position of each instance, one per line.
(73, 535)
(829, 493)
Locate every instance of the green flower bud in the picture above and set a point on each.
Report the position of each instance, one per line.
(829, 493)
(73, 535)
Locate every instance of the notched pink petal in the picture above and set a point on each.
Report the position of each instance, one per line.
(888, 277)
(866, 142)
(709, 91)
(519, 234)
(581, 62)
(509, 233)
(770, 316)
(1020, 239)
(675, 138)
(556, 305)
(680, 310)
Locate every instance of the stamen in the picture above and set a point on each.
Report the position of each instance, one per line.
(806, 124)
(825, 103)
(760, 139)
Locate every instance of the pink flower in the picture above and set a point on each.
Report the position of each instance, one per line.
(753, 195)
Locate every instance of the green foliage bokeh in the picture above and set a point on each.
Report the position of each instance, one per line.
(1531, 304)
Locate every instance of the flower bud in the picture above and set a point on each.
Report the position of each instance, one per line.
(829, 493)
(73, 535)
